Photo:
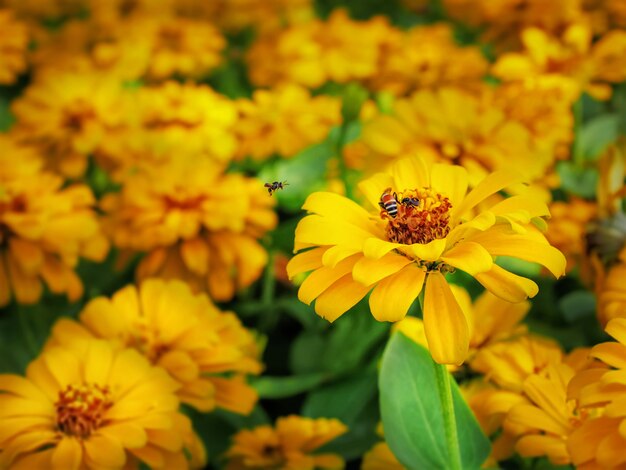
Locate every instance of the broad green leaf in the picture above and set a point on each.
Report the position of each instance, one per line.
(281, 387)
(579, 181)
(305, 352)
(597, 134)
(412, 412)
(6, 118)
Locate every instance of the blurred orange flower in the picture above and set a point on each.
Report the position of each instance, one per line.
(13, 47)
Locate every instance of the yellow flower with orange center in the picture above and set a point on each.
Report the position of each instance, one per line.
(284, 121)
(13, 47)
(44, 228)
(426, 57)
(427, 227)
(208, 352)
(599, 442)
(339, 49)
(591, 66)
(68, 115)
(483, 138)
(194, 223)
(288, 445)
(88, 407)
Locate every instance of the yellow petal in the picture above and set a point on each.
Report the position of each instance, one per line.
(538, 445)
(315, 230)
(129, 434)
(617, 329)
(535, 418)
(105, 451)
(98, 362)
(68, 454)
(611, 354)
(373, 187)
(410, 173)
(305, 261)
(376, 248)
(444, 322)
(392, 297)
(195, 254)
(27, 288)
(321, 279)
(428, 252)
(451, 181)
(20, 386)
(338, 253)
(469, 257)
(367, 271)
(506, 285)
(339, 298)
(334, 206)
(493, 183)
(535, 207)
(29, 255)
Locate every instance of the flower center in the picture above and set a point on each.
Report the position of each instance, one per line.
(81, 408)
(422, 216)
(274, 454)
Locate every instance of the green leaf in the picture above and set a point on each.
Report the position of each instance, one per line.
(305, 352)
(597, 134)
(412, 412)
(577, 304)
(281, 387)
(6, 118)
(579, 181)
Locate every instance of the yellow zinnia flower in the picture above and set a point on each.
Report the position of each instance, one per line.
(194, 223)
(44, 228)
(90, 407)
(183, 333)
(13, 46)
(284, 121)
(68, 115)
(287, 446)
(433, 232)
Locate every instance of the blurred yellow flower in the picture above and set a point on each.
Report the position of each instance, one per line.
(426, 57)
(395, 255)
(208, 352)
(599, 442)
(380, 456)
(44, 228)
(287, 446)
(483, 138)
(68, 115)
(284, 121)
(91, 407)
(13, 47)
(605, 15)
(591, 66)
(194, 223)
(339, 49)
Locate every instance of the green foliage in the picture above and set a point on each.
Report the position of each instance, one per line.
(412, 411)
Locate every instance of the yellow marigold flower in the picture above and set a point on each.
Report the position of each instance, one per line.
(611, 294)
(599, 442)
(503, 20)
(183, 333)
(482, 138)
(568, 226)
(91, 407)
(414, 242)
(194, 223)
(287, 446)
(46, 9)
(426, 57)
(284, 121)
(13, 46)
(68, 115)
(310, 54)
(605, 15)
(44, 228)
(591, 66)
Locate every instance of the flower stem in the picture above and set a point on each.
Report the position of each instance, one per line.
(449, 421)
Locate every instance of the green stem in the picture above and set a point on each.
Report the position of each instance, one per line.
(269, 281)
(449, 421)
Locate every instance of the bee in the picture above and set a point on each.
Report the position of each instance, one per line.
(410, 201)
(275, 186)
(389, 203)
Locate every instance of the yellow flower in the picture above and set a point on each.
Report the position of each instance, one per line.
(44, 228)
(426, 57)
(483, 138)
(91, 407)
(592, 66)
(183, 333)
(46, 9)
(13, 46)
(353, 251)
(599, 441)
(284, 121)
(611, 294)
(606, 14)
(194, 223)
(380, 456)
(287, 446)
(68, 115)
(310, 54)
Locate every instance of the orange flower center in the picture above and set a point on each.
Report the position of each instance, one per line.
(423, 216)
(80, 409)
(274, 454)
(147, 341)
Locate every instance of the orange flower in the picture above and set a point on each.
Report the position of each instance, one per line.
(44, 228)
(13, 46)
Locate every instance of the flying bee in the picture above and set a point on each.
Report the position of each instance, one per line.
(410, 201)
(275, 186)
(389, 203)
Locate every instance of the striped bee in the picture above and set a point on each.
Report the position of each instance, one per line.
(389, 203)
